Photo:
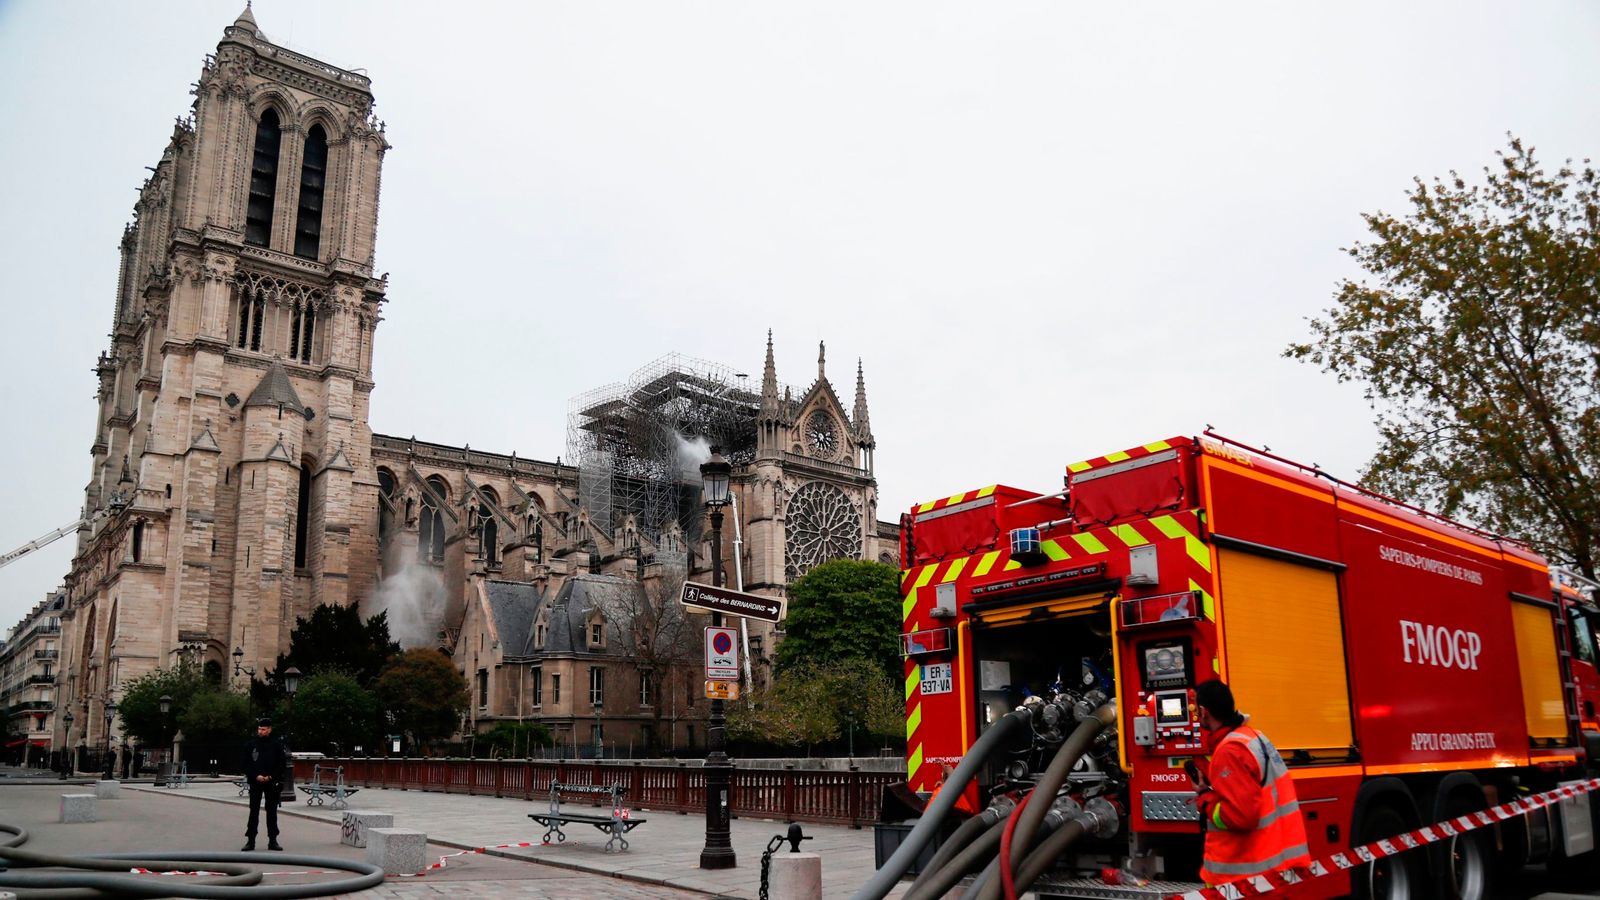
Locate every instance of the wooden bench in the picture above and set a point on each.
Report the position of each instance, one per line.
(617, 824)
(318, 793)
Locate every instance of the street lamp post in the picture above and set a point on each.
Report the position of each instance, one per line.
(67, 768)
(172, 760)
(599, 743)
(718, 850)
(291, 685)
(111, 714)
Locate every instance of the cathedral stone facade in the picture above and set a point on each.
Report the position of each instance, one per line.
(236, 484)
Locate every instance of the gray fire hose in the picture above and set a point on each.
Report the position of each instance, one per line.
(884, 880)
(941, 881)
(239, 881)
(1098, 818)
(1055, 775)
(996, 812)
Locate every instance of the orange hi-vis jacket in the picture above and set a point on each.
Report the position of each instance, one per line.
(1250, 811)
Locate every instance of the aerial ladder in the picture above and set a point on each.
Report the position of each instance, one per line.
(45, 540)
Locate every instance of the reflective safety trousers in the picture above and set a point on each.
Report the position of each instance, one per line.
(1253, 822)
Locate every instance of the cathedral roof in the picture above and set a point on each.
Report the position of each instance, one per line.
(276, 389)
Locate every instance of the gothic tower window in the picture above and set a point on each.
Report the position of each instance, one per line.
(488, 528)
(302, 515)
(301, 324)
(313, 169)
(252, 309)
(263, 182)
(138, 541)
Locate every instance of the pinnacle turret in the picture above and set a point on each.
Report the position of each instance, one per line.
(859, 421)
(770, 410)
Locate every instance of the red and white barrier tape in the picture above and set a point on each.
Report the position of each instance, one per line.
(438, 865)
(1257, 885)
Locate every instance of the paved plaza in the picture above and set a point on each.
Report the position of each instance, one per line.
(662, 862)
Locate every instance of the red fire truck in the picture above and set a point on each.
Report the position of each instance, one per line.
(1408, 668)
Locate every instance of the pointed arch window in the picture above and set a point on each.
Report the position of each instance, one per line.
(302, 518)
(313, 174)
(252, 310)
(430, 529)
(263, 181)
(301, 330)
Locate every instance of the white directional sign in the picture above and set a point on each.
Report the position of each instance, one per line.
(722, 654)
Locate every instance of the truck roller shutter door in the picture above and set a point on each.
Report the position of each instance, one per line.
(1541, 671)
(1284, 639)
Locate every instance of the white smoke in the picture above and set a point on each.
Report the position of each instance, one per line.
(691, 453)
(414, 599)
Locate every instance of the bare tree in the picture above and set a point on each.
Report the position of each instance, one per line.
(662, 641)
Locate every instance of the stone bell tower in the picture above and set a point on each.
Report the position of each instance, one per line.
(232, 485)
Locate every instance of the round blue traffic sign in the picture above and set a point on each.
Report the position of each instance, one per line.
(722, 642)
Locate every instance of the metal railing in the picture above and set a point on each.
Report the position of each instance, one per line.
(850, 797)
(46, 654)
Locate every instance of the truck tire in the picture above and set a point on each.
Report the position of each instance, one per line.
(1463, 865)
(1400, 877)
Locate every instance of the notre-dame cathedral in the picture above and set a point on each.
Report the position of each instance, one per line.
(236, 483)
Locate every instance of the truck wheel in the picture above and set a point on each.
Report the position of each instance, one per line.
(1398, 877)
(1464, 863)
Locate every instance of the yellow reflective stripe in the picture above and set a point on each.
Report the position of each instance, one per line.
(1012, 564)
(1216, 818)
(985, 563)
(909, 604)
(1054, 551)
(913, 720)
(912, 680)
(1206, 603)
(1078, 467)
(1197, 550)
(927, 506)
(954, 571)
(1118, 456)
(914, 762)
(925, 576)
(955, 498)
(1158, 446)
(1127, 535)
(1090, 543)
(984, 492)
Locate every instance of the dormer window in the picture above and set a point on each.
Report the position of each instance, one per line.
(597, 634)
(538, 635)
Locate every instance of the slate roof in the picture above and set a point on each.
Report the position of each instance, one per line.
(514, 606)
(581, 594)
(275, 389)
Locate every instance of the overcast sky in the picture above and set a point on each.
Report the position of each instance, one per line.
(1050, 230)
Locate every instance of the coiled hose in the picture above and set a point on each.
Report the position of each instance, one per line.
(884, 880)
(239, 881)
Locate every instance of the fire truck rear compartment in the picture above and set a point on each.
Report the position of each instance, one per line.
(1021, 655)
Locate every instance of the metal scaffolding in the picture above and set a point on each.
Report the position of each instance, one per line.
(638, 444)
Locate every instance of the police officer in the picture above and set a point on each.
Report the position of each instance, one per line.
(264, 760)
(1245, 795)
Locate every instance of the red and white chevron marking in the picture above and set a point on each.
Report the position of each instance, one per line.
(1259, 885)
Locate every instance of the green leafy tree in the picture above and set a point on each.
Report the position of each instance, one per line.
(819, 703)
(1478, 340)
(215, 715)
(333, 713)
(844, 609)
(335, 637)
(140, 706)
(424, 693)
(513, 739)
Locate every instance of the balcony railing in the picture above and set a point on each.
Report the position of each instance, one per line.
(33, 706)
(46, 654)
(41, 679)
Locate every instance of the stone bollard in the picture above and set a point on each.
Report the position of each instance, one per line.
(357, 822)
(398, 850)
(796, 876)
(77, 808)
(108, 790)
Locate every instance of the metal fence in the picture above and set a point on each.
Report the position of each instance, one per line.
(850, 797)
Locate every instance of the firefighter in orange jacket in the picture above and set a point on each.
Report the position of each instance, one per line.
(1245, 796)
